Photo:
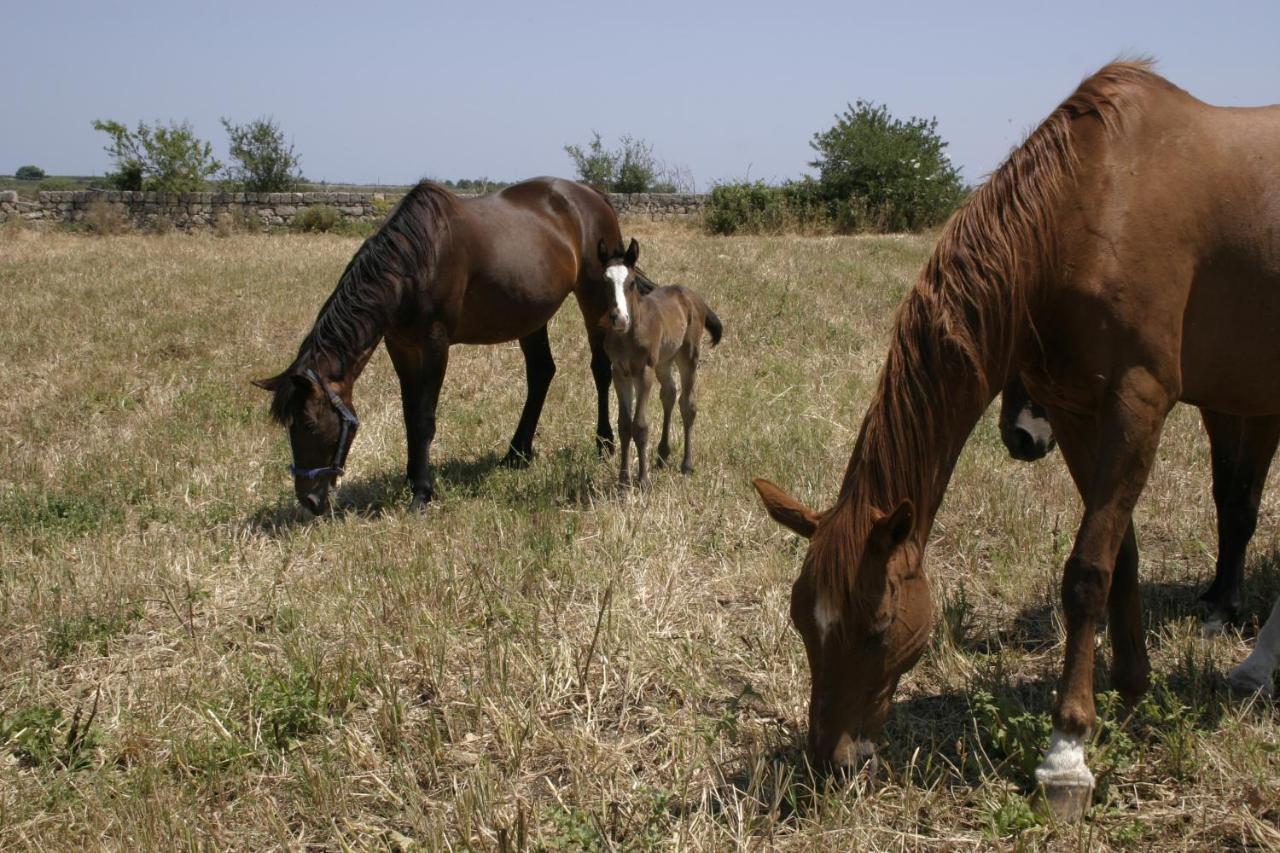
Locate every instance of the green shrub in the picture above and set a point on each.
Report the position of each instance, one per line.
(631, 168)
(265, 163)
(757, 208)
(161, 159)
(29, 173)
(317, 217)
(880, 173)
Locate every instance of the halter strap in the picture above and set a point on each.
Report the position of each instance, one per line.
(348, 423)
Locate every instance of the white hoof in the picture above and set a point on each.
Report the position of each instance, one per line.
(1065, 780)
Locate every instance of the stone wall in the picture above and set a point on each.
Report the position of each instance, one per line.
(198, 211)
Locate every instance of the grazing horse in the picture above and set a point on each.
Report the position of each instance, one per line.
(443, 270)
(651, 330)
(1240, 451)
(1126, 256)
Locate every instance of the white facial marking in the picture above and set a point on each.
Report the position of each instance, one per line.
(825, 615)
(617, 273)
(1064, 763)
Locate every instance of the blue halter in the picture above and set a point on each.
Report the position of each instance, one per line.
(348, 424)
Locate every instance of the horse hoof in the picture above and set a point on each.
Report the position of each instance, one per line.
(1247, 684)
(1214, 626)
(419, 503)
(686, 469)
(605, 445)
(517, 459)
(1067, 802)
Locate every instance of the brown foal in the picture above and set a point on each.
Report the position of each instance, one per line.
(652, 330)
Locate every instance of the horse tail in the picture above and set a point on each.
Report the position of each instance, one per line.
(713, 324)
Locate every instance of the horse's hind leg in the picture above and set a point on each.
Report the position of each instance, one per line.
(421, 368)
(1255, 673)
(668, 394)
(539, 368)
(688, 361)
(1110, 465)
(1241, 450)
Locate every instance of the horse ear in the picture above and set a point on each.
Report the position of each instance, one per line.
(786, 510)
(892, 530)
(270, 384)
(603, 251)
(633, 253)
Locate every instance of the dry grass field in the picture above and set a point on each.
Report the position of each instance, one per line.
(538, 662)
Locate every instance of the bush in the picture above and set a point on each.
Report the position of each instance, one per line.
(265, 163)
(316, 218)
(880, 173)
(757, 208)
(160, 159)
(105, 219)
(29, 173)
(631, 168)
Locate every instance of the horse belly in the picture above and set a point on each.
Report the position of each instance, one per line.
(496, 311)
(1231, 345)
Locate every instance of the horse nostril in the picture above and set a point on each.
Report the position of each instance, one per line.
(1026, 447)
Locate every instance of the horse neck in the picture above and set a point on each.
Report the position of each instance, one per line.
(348, 330)
(925, 406)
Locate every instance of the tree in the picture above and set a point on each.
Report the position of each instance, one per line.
(878, 171)
(631, 168)
(264, 161)
(163, 159)
(29, 173)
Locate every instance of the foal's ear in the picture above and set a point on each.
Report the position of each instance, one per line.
(603, 251)
(892, 530)
(633, 253)
(786, 510)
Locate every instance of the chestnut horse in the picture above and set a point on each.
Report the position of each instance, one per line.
(443, 270)
(1126, 256)
(1240, 452)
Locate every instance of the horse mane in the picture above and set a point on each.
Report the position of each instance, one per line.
(401, 254)
(963, 316)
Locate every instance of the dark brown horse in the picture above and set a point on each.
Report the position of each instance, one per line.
(1126, 256)
(442, 271)
(1240, 451)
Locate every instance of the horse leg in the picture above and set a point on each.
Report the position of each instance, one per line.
(640, 422)
(421, 371)
(688, 405)
(668, 395)
(1124, 448)
(601, 372)
(623, 384)
(1255, 673)
(539, 368)
(1241, 450)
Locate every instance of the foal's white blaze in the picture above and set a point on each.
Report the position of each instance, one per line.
(825, 615)
(1255, 673)
(1064, 763)
(617, 273)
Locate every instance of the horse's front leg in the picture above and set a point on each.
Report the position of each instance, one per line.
(601, 370)
(421, 367)
(1110, 464)
(539, 369)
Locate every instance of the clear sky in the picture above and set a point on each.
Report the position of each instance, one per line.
(392, 91)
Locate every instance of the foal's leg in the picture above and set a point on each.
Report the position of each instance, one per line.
(1255, 673)
(539, 368)
(421, 368)
(1241, 450)
(624, 386)
(688, 362)
(640, 421)
(1123, 451)
(668, 395)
